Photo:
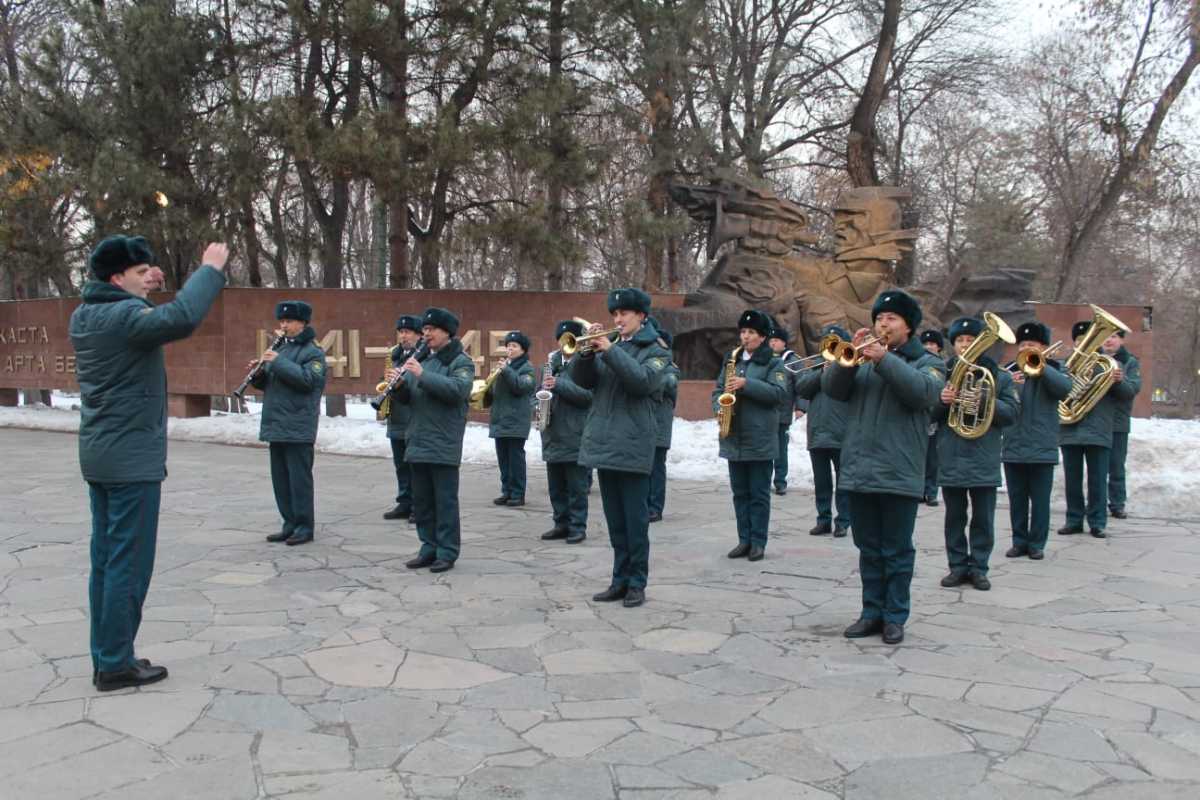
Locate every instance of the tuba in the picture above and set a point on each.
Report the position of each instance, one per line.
(726, 400)
(1091, 371)
(970, 414)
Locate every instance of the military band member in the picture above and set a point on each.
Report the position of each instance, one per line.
(292, 382)
(933, 342)
(891, 397)
(118, 336)
(826, 421)
(664, 418)
(760, 384)
(1129, 387)
(566, 480)
(408, 329)
(511, 415)
(619, 435)
(778, 341)
(1029, 452)
(1089, 441)
(437, 389)
(969, 469)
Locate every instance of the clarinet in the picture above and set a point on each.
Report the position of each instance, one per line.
(256, 370)
(420, 353)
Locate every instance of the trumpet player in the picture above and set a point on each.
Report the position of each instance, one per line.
(408, 329)
(1125, 393)
(759, 383)
(778, 342)
(510, 418)
(826, 428)
(664, 419)
(1030, 450)
(292, 381)
(969, 468)
(566, 480)
(891, 395)
(618, 437)
(933, 342)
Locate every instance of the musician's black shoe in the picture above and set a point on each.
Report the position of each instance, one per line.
(820, 529)
(555, 533)
(1098, 533)
(419, 562)
(441, 566)
(1015, 552)
(932, 503)
(756, 553)
(781, 490)
(141, 662)
(137, 675)
(515, 502)
(655, 516)
(399, 512)
(611, 594)
(741, 551)
(282, 536)
(295, 540)
(634, 597)
(893, 633)
(840, 533)
(980, 582)
(955, 578)
(1069, 530)
(1036, 555)
(1118, 513)
(576, 537)
(863, 628)
(501, 500)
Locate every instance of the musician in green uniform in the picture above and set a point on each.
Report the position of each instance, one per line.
(292, 381)
(566, 480)
(778, 342)
(826, 429)
(619, 435)
(1131, 384)
(891, 396)
(437, 388)
(1030, 452)
(664, 418)
(408, 328)
(118, 337)
(933, 342)
(511, 414)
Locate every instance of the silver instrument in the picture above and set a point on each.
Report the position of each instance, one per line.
(542, 399)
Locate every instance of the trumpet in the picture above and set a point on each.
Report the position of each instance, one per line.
(570, 344)
(384, 388)
(256, 370)
(830, 348)
(1032, 362)
(847, 354)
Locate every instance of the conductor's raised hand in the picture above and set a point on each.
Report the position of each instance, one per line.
(215, 255)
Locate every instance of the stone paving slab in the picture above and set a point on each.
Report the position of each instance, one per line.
(334, 672)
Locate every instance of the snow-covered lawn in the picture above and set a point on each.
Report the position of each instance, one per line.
(1163, 466)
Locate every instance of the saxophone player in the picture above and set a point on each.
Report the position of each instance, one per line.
(755, 376)
(1125, 391)
(566, 480)
(892, 393)
(510, 418)
(969, 468)
(408, 328)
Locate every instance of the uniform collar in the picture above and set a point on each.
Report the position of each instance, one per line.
(519, 361)
(303, 337)
(911, 350)
(1122, 355)
(450, 352)
(101, 292)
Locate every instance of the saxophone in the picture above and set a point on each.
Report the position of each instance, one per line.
(542, 399)
(970, 414)
(727, 399)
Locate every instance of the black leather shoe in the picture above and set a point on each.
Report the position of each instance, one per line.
(294, 540)
(980, 582)
(840, 533)
(655, 517)
(554, 533)
(820, 529)
(441, 566)
(781, 490)
(419, 562)
(756, 553)
(141, 662)
(1118, 513)
(282, 536)
(1036, 555)
(577, 537)
(741, 551)
(893, 633)
(954, 579)
(1015, 552)
(399, 512)
(932, 503)
(137, 675)
(515, 502)
(1069, 530)
(501, 500)
(634, 597)
(863, 628)
(1099, 533)
(611, 594)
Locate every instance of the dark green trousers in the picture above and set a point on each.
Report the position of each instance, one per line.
(931, 465)
(625, 496)
(1116, 471)
(882, 526)
(1029, 487)
(292, 480)
(1096, 506)
(751, 485)
(124, 536)
(435, 508)
(568, 484)
(658, 481)
(969, 556)
(510, 455)
(781, 460)
(825, 463)
(403, 474)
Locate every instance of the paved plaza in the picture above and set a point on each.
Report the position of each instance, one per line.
(331, 671)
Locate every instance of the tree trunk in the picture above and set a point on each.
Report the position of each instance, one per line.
(396, 193)
(253, 248)
(558, 150)
(860, 143)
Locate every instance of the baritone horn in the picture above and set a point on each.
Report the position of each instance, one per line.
(970, 415)
(1091, 371)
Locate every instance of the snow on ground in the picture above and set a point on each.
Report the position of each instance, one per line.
(1163, 468)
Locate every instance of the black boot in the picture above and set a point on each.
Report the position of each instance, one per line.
(756, 553)
(502, 500)
(137, 675)
(955, 578)
(820, 529)
(611, 594)
(1070, 530)
(634, 597)
(282, 536)
(399, 512)
(554, 533)
(576, 537)
(419, 562)
(1015, 552)
(893, 633)
(741, 551)
(863, 628)
(840, 533)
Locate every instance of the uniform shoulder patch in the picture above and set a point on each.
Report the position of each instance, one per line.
(318, 367)
(657, 363)
(781, 376)
(147, 310)
(935, 372)
(464, 372)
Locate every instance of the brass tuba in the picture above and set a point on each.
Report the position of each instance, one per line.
(727, 399)
(970, 414)
(1091, 371)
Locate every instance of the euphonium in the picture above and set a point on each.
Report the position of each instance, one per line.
(1033, 362)
(970, 414)
(542, 400)
(727, 399)
(1091, 371)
